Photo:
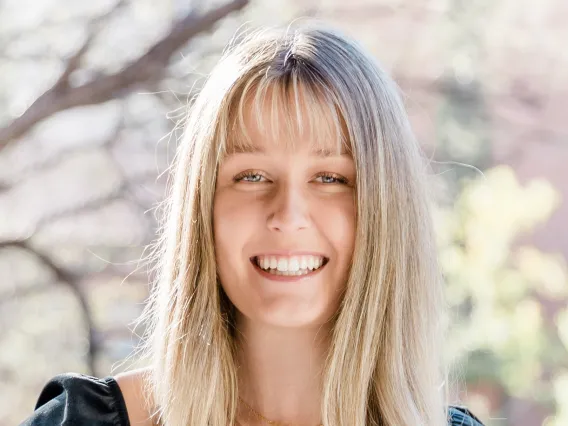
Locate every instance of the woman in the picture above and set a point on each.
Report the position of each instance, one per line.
(298, 280)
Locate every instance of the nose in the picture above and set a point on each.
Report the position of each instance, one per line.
(289, 209)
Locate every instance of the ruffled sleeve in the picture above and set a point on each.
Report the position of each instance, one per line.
(461, 416)
(76, 399)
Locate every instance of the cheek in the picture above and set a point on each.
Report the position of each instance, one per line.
(233, 225)
(337, 221)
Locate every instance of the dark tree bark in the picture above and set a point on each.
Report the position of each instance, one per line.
(148, 67)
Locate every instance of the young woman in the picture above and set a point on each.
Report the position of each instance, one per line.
(298, 278)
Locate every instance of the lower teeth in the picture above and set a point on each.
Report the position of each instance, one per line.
(289, 273)
(286, 273)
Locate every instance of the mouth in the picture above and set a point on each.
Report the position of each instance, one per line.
(288, 267)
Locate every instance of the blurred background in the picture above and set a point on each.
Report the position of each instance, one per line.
(91, 98)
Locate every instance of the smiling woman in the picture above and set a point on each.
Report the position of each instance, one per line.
(298, 281)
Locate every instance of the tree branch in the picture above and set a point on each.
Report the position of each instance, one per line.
(146, 68)
(71, 282)
(75, 60)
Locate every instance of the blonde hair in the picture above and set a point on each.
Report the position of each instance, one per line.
(385, 363)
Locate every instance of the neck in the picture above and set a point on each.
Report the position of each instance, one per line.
(280, 371)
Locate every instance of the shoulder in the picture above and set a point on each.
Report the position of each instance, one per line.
(131, 384)
(461, 416)
(73, 398)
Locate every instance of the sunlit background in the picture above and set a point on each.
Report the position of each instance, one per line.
(90, 95)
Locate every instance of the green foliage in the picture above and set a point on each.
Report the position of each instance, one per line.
(496, 288)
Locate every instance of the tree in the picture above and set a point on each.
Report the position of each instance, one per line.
(79, 170)
(509, 326)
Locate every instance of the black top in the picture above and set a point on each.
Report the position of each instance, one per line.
(76, 399)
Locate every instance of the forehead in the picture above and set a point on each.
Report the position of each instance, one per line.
(283, 119)
(264, 145)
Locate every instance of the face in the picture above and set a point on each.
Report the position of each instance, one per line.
(284, 225)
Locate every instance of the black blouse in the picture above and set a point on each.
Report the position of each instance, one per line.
(76, 399)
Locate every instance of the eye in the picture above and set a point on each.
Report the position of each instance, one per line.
(330, 178)
(250, 176)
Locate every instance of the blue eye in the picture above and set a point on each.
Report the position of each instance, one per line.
(330, 178)
(250, 176)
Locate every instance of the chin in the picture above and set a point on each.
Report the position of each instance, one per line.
(290, 317)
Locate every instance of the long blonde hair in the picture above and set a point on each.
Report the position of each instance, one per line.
(385, 365)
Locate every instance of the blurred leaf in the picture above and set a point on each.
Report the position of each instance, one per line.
(547, 271)
(562, 323)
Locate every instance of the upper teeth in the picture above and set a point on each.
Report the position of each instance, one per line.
(289, 263)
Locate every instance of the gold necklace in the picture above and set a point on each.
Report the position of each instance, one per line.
(261, 417)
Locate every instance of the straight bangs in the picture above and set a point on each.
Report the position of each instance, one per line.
(287, 107)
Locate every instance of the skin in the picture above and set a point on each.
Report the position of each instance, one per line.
(283, 204)
(130, 384)
(283, 327)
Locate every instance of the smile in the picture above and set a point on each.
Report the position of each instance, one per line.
(288, 268)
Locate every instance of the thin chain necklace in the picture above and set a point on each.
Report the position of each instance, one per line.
(261, 417)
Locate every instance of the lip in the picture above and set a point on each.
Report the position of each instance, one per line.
(287, 278)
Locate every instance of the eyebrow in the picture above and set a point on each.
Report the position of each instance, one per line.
(320, 152)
